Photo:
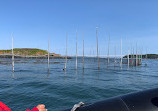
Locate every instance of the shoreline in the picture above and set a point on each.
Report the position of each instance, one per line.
(45, 57)
(33, 57)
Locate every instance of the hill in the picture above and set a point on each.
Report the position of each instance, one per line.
(25, 51)
(30, 53)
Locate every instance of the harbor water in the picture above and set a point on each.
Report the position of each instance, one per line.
(32, 83)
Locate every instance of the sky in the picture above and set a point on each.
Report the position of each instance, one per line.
(33, 22)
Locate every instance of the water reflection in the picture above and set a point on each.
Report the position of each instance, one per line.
(48, 73)
(13, 76)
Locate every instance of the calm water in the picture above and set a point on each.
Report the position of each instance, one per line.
(31, 84)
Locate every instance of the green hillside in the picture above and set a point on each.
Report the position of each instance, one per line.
(25, 51)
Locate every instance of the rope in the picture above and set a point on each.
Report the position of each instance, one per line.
(77, 106)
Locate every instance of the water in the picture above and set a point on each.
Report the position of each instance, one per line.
(32, 84)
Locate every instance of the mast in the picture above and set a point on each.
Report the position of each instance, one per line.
(76, 50)
(83, 50)
(97, 44)
(66, 54)
(12, 52)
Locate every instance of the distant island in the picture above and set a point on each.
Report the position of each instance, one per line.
(145, 56)
(28, 53)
